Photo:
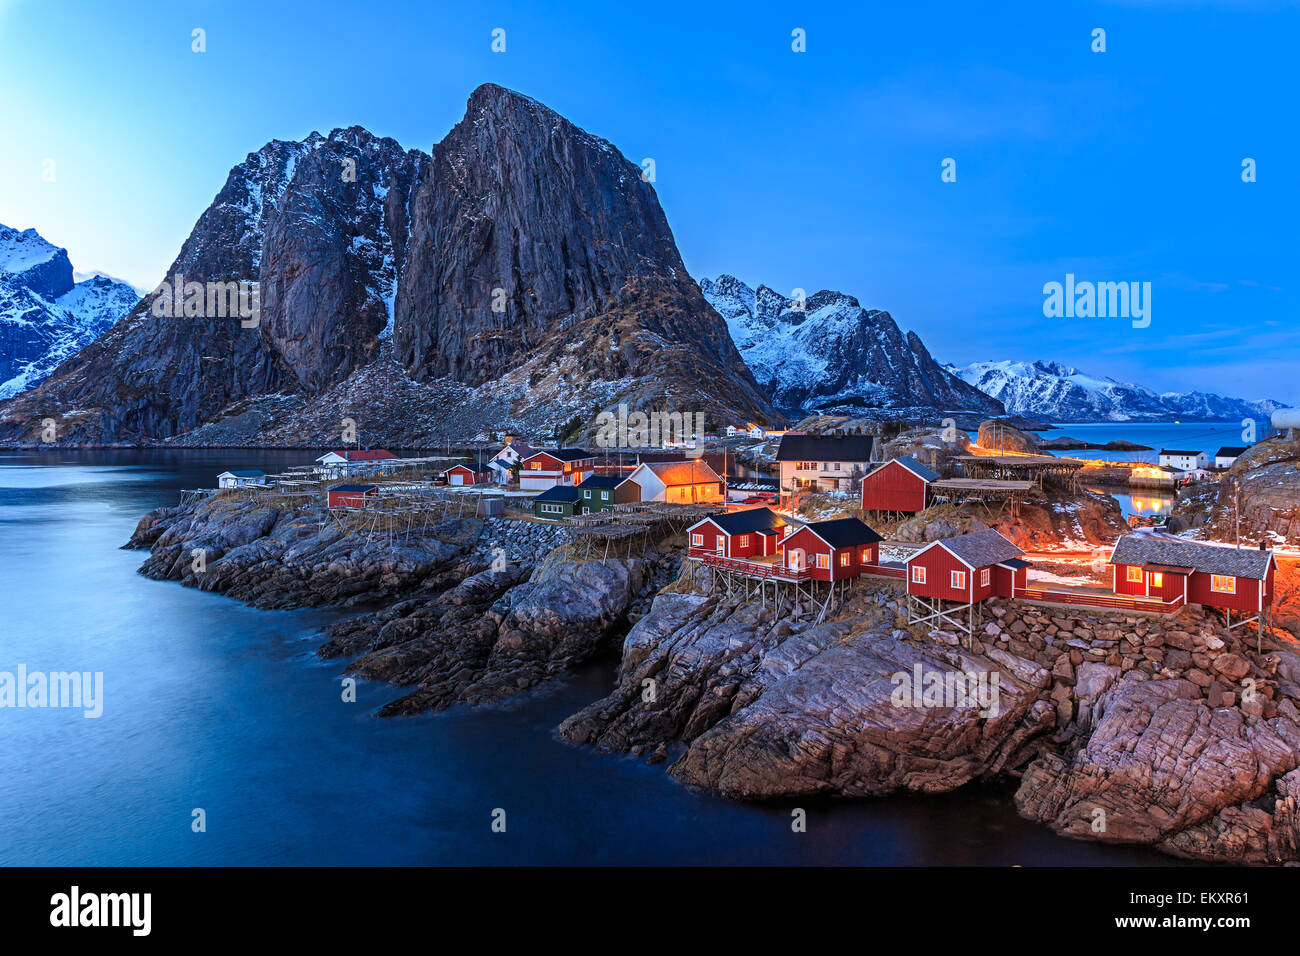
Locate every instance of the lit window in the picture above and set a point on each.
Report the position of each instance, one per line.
(866, 557)
(823, 560)
(697, 540)
(744, 541)
(984, 577)
(918, 575)
(844, 559)
(1135, 575)
(1223, 583)
(959, 579)
(1157, 579)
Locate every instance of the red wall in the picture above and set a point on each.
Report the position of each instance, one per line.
(813, 546)
(1004, 579)
(1246, 598)
(893, 488)
(343, 499)
(939, 565)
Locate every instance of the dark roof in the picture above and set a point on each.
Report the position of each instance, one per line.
(601, 481)
(1016, 563)
(915, 467)
(1175, 451)
(1150, 549)
(979, 549)
(355, 488)
(247, 474)
(824, 448)
(1231, 451)
(559, 493)
(748, 522)
(844, 532)
(564, 454)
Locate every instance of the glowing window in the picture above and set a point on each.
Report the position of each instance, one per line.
(697, 540)
(844, 559)
(823, 560)
(1135, 575)
(1223, 583)
(918, 575)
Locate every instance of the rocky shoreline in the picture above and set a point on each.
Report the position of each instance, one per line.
(1169, 732)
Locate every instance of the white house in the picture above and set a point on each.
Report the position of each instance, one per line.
(733, 431)
(238, 479)
(354, 461)
(822, 462)
(1184, 460)
(501, 463)
(677, 482)
(1227, 456)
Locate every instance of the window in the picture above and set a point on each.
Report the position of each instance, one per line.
(866, 555)
(844, 559)
(1223, 583)
(697, 540)
(586, 492)
(823, 560)
(534, 466)
(918, 574)
(958, 579)
(1135, 575)
(744, 541)
(604, 496)
(1157, 579)
(984, 577)
(552, 509)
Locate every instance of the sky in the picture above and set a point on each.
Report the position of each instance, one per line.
(810, 170)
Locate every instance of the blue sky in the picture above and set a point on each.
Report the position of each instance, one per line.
(800, 170)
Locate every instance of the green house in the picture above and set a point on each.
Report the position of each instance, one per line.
(558, 503)
(599, 493)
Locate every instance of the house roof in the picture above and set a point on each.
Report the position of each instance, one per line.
(360, 454)
(692, 472)
(601, 481)
(561, 493)
(563, 454)
(915, 467)
(1153, 549)
(1231, 451)
(355, 488)
(824, 448)
(468, 466)
(843, 532)
(755, 520)
(1014, 563)
(1174, 451)
(977, 549)
(243, 474)
(521, 448)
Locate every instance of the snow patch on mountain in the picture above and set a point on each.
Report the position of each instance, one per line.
(46, 315)
(832, 355)
(1053, 391)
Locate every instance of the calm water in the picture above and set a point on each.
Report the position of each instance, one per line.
(210, 704)
(1194, 436)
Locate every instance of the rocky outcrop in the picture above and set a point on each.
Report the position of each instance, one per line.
(1263, 485)
(999, 436)
(1052, 522)
(524, 273)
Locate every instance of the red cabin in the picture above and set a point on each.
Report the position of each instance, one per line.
(968, 568)
(465, 475)
(902, 484)
(755, 533)
(831, 550)
(350, 496)
(1214, 575)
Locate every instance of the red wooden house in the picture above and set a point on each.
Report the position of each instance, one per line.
(968, 568)
(557, 466)
(465, 475)
(1214, 575)
(755, 533)
(901, 484)
(350, 496)
(831, 550)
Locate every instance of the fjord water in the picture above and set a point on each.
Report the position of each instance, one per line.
(210, 704)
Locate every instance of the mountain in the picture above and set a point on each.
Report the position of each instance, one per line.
(522, 275)
(46, 314)
(1053, 392)
(835, 356)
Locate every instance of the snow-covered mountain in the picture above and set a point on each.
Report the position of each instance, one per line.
(46, 315)
(1054, 392)
(835, 356)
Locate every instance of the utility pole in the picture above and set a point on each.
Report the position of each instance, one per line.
(1236, 508)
